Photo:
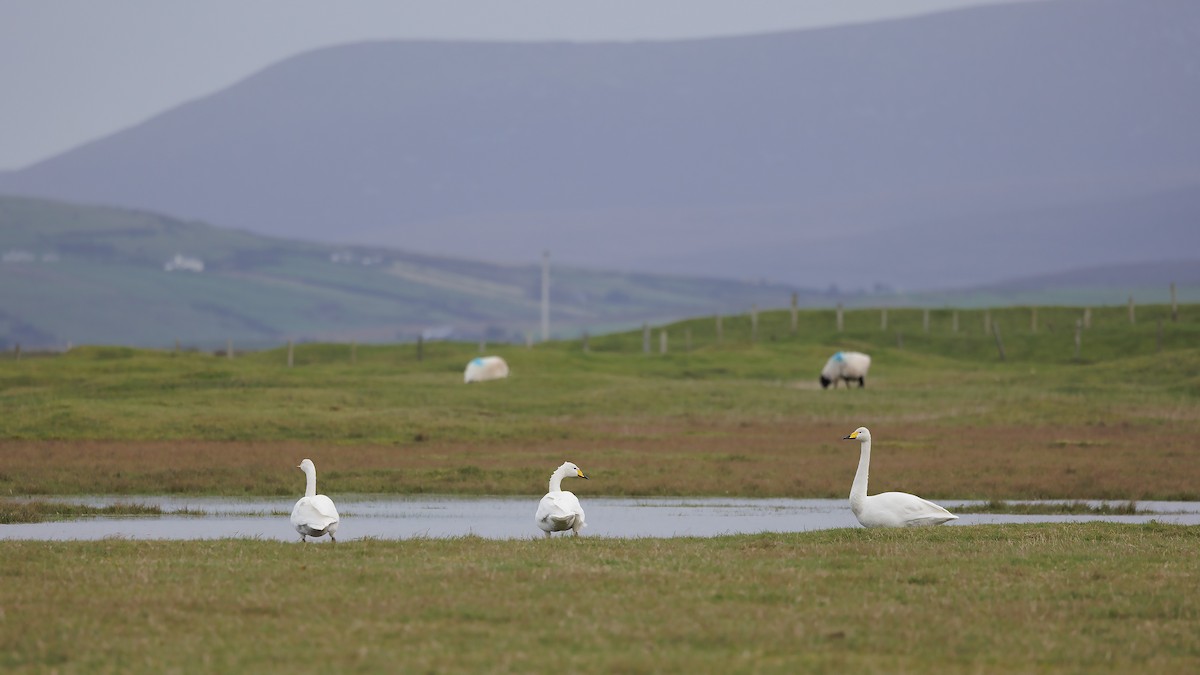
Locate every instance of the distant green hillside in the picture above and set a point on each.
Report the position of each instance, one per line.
(72, 274)
(94, 275)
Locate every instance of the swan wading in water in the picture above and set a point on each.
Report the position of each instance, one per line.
(888, 509)
(314, 515)
(559, 510)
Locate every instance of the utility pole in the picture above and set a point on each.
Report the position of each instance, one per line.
(545, 296)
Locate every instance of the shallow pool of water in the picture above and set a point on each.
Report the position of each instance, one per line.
(389, 517)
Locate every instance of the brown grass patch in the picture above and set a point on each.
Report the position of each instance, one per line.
(653, 457)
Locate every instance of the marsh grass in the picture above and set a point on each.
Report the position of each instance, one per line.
(1049, 508)
(35, 511)
(1092, 597)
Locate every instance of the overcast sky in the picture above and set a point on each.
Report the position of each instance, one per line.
(75, 70)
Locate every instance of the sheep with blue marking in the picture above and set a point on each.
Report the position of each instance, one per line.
(483, 368)
(845, 366)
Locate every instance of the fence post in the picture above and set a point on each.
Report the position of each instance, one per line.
(796, 315)
(229, 349)
(999, 342)
(176, 345)
(645, 338)
(662, 341)
(840, 312)
(883, 319)
(1079, 339)
(482, 345)
(987, 321)
(17, 351)
(899, 340)
(753, 324)
(925, 320)
(1087, 317)
(954, 323)
(291, 354)
(1174, 305)
(1131, 317)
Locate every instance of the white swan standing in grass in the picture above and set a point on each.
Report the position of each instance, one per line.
(559, 510)
(314, 515)
(888, 509)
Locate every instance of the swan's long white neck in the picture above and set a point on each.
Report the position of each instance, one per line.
(858, 491)
(310, 490)
(556, 479)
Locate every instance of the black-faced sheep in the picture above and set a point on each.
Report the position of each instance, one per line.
(847, 366)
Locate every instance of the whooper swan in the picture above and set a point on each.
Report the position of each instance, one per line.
(559, 510)
(314, 515)
(888, 509)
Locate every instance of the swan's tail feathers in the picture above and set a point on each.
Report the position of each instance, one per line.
(933, 519)
(567, 520)
(945, 516)
(926, 522)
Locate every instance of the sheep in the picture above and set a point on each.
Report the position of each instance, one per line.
(848, 366)
(483, 368)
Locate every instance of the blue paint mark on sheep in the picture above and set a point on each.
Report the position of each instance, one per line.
(838, 357)
(477, 361)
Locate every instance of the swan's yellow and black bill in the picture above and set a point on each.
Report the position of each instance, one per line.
(853, 435)
(579, 472)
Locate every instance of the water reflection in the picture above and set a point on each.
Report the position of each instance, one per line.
(388, 517)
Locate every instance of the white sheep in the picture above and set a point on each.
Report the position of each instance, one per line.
(848, 366)
(483, 368)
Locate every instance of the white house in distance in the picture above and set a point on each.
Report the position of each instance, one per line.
(184, 264)
(18, 256)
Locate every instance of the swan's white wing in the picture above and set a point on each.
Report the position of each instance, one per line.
(900, 509)
(557, 511)
(317, 512)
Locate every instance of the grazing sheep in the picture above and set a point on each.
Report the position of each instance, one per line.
(484, 368)
(848, 366)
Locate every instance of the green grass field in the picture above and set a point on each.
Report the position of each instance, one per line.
(950, 420)
(1030, 598)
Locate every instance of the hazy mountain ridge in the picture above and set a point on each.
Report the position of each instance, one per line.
(841, 155)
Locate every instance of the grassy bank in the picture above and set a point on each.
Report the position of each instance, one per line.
(1051, 598)
(36, 511)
